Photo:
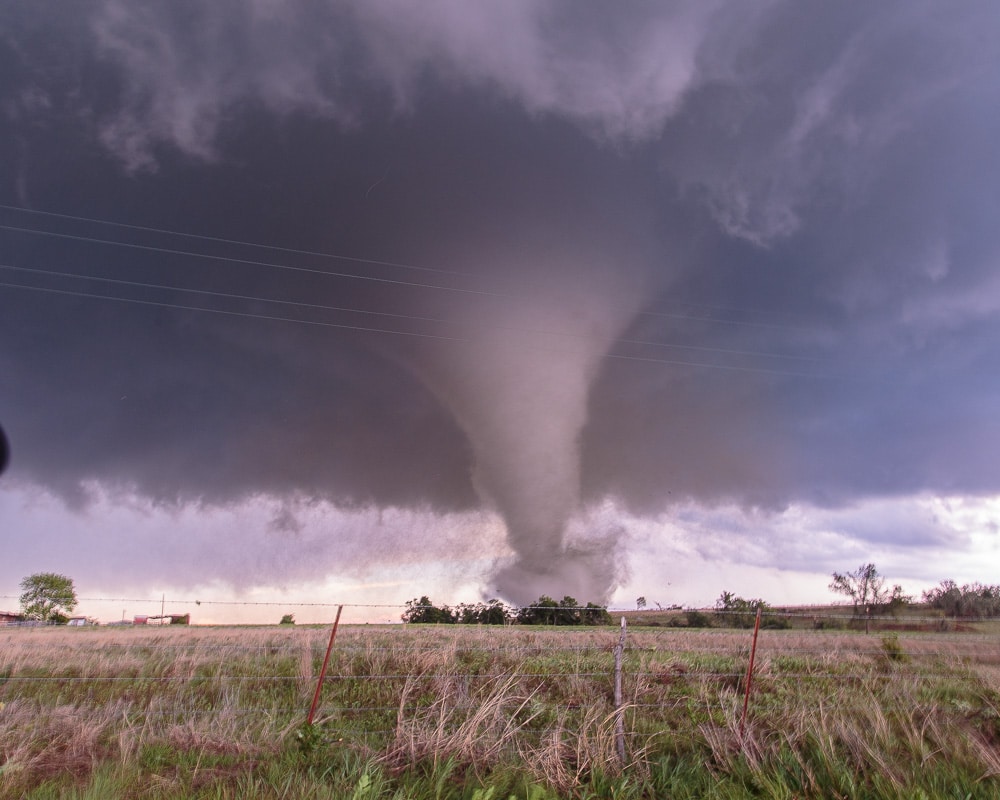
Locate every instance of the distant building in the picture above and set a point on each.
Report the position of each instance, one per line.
(8, 617)
(77, 621)
(165, 619)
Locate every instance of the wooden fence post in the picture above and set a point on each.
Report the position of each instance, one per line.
(619, 710)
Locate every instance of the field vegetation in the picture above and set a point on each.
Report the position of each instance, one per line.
(490, 713)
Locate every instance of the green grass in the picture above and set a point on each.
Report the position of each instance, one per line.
(470, 713)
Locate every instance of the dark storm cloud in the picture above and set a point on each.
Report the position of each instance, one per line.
(799, 201)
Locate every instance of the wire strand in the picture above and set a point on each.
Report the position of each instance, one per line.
(390, 314)
(392, 332)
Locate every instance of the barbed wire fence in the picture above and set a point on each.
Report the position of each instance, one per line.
(370, 682)
(833, 612)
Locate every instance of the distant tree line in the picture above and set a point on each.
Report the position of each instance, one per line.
(50, 597)
(544, 611)
(973, 600)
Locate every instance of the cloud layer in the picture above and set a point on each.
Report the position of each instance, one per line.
(524, 257)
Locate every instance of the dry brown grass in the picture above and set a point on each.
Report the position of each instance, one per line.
(475, 729)
(41, 741)
(482, 698)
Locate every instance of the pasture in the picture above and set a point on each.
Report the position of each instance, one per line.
(482, 713)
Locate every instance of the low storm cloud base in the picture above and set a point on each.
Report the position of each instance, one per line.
(521, 258)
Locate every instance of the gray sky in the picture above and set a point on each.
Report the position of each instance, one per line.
(500, 297)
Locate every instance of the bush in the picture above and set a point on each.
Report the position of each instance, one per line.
(735, 612)
(698, 619)
(892, 650)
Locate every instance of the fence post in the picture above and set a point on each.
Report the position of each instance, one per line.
(749, 680)
(322, 672)
(619, 710)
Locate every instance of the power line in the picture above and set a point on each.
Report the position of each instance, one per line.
(224, 312)
(222, 240)
(298, 251)
(354, 276)
(391, 332)
(249, 261)
(394, 315)
(213, 293)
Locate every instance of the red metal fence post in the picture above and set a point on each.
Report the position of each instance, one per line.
(322, 672)
(749, 680)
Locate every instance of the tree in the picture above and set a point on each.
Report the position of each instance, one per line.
(974, 600)
(868, 591)
(48, 597)
(737, 612)
(492, 613)
(546, 611)
(593, 614)
(422, 610)
(569, 611)
(640, 603)
(541, 612)
(287, 619)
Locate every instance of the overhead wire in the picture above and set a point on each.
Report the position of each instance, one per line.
(225, 312)
(389, 331)
(246, 261)
(223, 240)
(299, 251)
(328, 255)
(393, 315)
(353, 310)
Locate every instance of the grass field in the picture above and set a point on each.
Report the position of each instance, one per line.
(493, 713)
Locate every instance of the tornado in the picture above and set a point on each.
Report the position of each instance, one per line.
(518, 384)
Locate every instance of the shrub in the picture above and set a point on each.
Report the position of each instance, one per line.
(698, 619)
(735, 612)
(892, 649)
